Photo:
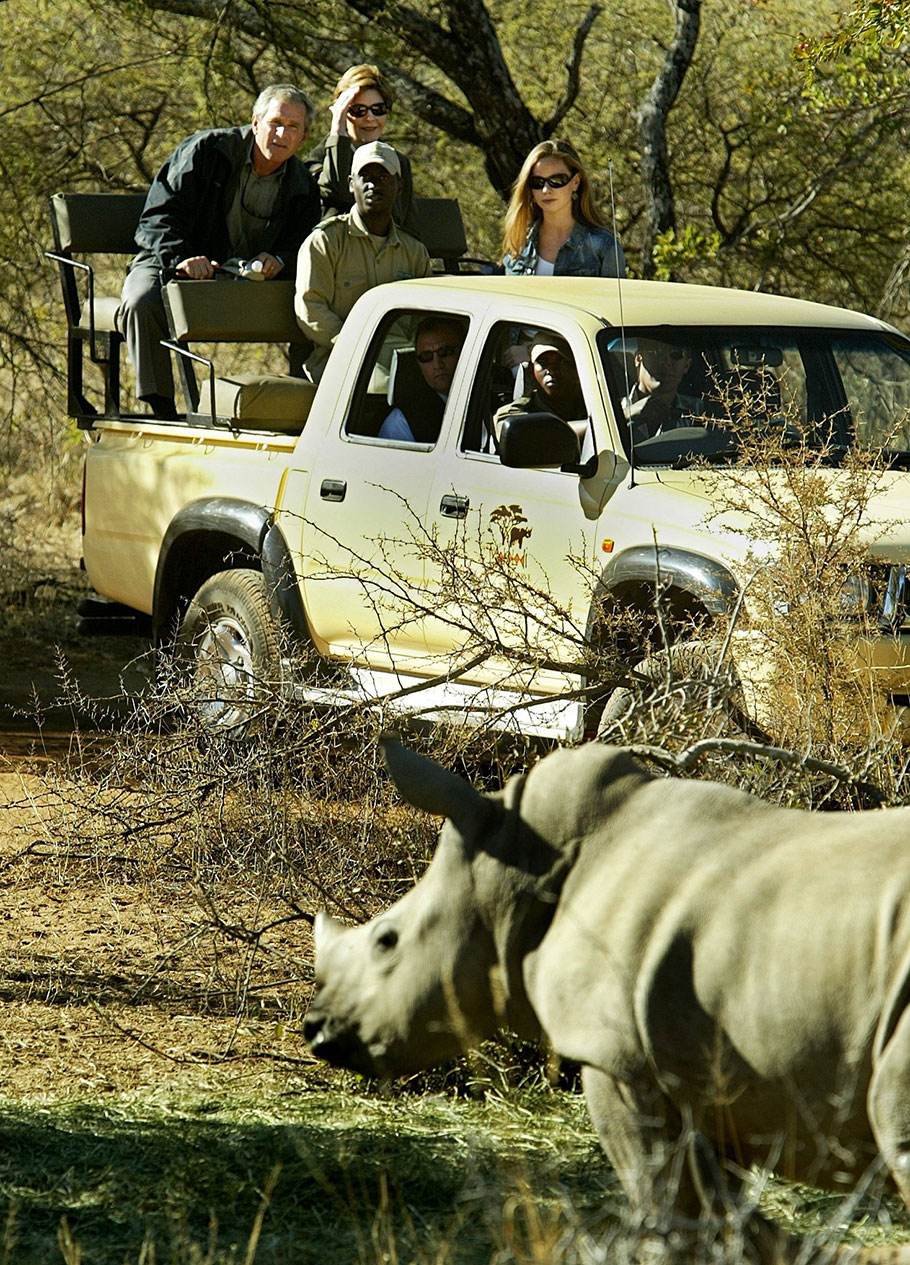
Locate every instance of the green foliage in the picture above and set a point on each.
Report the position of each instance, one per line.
(860, 42)
(84, 103)
(674, 250)
(787, 149)
(860, 65)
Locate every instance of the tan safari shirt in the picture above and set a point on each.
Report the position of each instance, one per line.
(337, 263)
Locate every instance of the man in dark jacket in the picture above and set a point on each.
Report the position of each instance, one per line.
(224, 193)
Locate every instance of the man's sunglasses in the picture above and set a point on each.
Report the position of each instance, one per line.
(559, 181)
(359, 111)
(424, 357)
(667, 353)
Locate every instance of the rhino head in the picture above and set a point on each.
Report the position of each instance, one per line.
(440, 969)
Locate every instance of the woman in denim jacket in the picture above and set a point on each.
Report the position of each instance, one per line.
(553, 226)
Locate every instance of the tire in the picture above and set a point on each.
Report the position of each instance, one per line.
(227, 651)
(690, 660)
(619, 703)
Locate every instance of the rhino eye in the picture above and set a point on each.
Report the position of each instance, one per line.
(387, 939)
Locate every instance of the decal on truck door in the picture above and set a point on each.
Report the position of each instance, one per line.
(512, 524)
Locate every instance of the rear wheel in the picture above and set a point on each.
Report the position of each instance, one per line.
(227, 650)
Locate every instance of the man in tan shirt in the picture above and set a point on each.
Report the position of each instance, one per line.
(349, 254)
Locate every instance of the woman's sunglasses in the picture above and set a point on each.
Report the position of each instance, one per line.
(358, 111)
(559, 181)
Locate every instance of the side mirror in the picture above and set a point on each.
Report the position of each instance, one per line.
(526, 440)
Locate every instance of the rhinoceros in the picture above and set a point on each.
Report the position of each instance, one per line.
(733, 977)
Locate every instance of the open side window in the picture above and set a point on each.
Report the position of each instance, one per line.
(403, 385)
(522, 372)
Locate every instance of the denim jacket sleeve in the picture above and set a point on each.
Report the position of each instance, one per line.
(589, 252)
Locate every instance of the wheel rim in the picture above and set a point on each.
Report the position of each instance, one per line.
(223, 677)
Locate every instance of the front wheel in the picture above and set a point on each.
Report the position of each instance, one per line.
(684, 690)
(227, 650)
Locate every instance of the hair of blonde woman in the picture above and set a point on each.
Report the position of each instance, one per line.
(365, 76)
(523, 210)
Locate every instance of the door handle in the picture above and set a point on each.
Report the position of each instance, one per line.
(454, 506)
(333, 489)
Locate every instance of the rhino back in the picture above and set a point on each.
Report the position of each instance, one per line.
(728, 944)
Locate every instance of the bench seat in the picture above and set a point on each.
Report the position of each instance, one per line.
(239, 311)
(88, 224)
(261, 401)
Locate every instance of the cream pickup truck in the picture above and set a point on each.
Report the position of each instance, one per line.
(458, 574)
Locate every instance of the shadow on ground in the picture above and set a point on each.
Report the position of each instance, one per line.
(195, 1187)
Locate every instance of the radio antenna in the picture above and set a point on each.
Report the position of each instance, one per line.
(622, 329)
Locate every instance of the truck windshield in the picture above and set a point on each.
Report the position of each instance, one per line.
(697, 392)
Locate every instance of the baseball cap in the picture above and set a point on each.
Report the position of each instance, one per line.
(550, 342)
(376, 152)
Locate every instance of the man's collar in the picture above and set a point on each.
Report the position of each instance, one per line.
(359, 228)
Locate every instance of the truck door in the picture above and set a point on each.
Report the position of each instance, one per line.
(362, 544)
(511, 562)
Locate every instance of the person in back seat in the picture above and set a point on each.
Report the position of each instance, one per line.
(235, 191)
(361, 104)
(553, 226)
(348, 254)
(417, 417)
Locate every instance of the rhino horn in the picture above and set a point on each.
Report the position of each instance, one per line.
(429, 786)
(325, 930)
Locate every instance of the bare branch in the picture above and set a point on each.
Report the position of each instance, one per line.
(685, 760)
(89, 77)
(462, 42)
(573, 80)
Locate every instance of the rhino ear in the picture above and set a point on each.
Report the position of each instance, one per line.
(429, 786)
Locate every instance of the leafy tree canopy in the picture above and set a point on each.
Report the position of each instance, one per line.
(785, 140)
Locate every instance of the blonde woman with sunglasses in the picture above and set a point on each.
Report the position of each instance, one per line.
(553, 226)
(361, 104)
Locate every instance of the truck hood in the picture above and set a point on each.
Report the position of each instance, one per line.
(695, 509)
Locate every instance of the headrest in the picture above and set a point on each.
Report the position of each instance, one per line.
(96, 222)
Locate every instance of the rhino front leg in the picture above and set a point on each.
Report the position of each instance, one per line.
(643, 1139)
(670, 1172)
(889, 1105)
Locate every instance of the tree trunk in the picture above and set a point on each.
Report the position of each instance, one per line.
(660, 209)
(461, 41)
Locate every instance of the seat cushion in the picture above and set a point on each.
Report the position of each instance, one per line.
(259, 401)
(105, 311)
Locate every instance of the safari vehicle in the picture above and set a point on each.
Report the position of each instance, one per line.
(463, 575)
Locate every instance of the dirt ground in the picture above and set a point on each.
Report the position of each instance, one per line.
(106, 983)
